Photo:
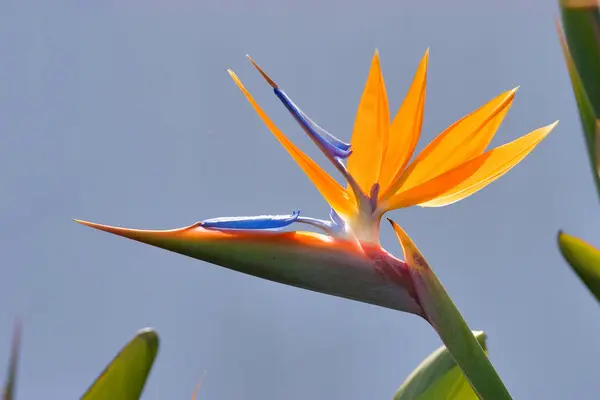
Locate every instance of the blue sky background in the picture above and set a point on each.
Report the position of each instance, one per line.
(122, 113)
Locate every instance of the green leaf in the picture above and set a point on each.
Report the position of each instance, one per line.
(581, 48)
(581, 23)
(597, 147)
(11, 381)
(438, 377)
(124, 378)
(450, 325)
(584, 259)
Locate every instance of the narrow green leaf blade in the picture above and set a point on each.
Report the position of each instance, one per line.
(581, 23)
(584, 259)
(124, 378)
(587, 114)
(11, 380)
(597, 147)
(438, 377)
(450, 325)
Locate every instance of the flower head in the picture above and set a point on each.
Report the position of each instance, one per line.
(378, 173)
(347, 260)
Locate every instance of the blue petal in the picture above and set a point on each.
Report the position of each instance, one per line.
(329, 143)
(326, 135)
(336, 219)
(257, 222)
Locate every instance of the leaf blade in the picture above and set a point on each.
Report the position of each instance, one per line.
(581, 22)
(125, 376)
(571, 40)
(584, 259)
(438, 377)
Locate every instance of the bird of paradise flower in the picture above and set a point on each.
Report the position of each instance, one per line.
(347, 260)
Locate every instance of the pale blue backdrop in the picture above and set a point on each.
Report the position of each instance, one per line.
(122, 112)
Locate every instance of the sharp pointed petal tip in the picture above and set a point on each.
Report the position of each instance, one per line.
(94, 225)
(509, 95)
(137, 234)
(91, 224)
(550, 127)
(82, 222)
(263, 73)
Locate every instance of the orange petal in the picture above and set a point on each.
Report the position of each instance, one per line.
(497, 163)
(405, 129)
(433, 188)
(369, 136)
(471, 176)
(460, 142)
(330, 189)
(198, 386)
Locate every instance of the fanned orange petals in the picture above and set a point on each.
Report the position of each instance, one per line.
(435, 187)
(463, 140)
(469, 177)
(329, 188)
(405, 129)
(496, 163)
(369, 136)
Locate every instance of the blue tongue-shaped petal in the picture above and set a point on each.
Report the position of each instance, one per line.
(255, 222)
(326, 135)
(336, 220)
(328, 143)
